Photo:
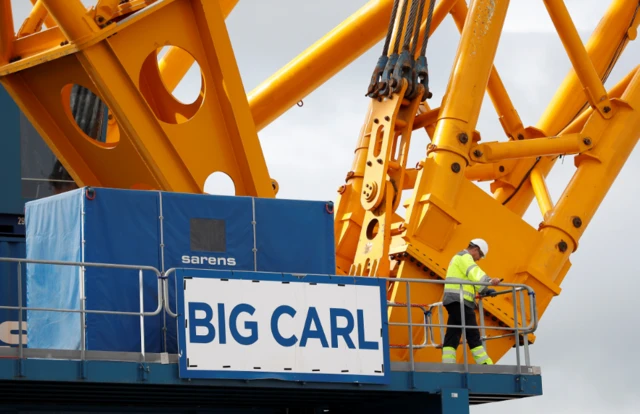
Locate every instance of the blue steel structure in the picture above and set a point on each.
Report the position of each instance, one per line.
(117, 386)
(96, 381)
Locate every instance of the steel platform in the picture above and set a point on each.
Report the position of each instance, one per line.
(59, 381)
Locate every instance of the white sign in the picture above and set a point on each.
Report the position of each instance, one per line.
(309, 329)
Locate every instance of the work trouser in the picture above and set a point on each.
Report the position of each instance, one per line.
(452, 337)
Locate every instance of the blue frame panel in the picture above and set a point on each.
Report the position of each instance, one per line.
(69, 371)
(181, 274)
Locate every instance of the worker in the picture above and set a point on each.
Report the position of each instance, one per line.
(463, 267)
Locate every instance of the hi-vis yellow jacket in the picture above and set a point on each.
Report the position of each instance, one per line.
(463, 268)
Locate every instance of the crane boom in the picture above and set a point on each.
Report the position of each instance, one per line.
(114, 53)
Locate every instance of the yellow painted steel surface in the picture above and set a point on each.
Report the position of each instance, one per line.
(155, 141)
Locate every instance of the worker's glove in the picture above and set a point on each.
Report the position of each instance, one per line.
(490, 292)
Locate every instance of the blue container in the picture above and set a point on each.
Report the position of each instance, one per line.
(158, 229)
(13, 247)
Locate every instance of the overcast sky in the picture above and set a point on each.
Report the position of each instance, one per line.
(588, 359)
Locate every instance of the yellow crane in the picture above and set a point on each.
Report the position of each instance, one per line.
(148, 139)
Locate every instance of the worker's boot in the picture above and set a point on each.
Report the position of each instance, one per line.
(480, 355)
(448, 355)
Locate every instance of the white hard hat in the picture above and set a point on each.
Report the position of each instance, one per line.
(483, 245)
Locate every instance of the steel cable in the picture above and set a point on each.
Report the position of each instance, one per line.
(423, 50)
(411, 23)
(403, 14)
(394, 13)
(416, 34)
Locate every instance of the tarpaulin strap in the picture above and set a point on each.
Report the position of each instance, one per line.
(90, 193)
(329, 207)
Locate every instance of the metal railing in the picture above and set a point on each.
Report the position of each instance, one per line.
(83, 311)
(517, 292)
(517, 331)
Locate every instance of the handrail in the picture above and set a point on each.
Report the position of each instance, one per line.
(517, 331)
(516, 290)
(83, 311)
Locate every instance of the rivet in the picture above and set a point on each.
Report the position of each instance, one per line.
(587, 141)
(520, 137)
(501, 168)
(463, 138)
(455, 167)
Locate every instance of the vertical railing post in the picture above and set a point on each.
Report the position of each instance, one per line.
(83, 315)
(464, 330)
(527, 361)
(83, 324)
(413, 368)
(20, 306)
(428, 334)
(515, 324)
(142, 346)
(441, 321)
(482, 328)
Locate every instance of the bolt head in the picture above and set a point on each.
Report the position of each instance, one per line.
(562, 246)
(577, 222)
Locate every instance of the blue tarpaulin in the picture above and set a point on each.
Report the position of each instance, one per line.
(162, 230)
(53, 232)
